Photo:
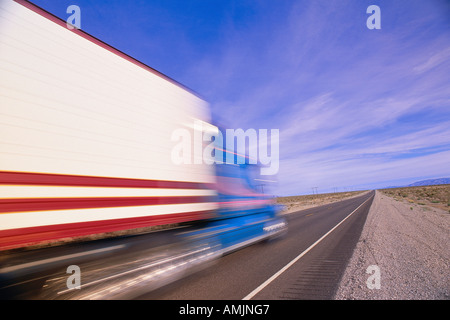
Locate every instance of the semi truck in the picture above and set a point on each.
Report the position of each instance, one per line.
(87, 174)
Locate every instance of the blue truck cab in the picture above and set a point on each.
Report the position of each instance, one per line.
(245, 215)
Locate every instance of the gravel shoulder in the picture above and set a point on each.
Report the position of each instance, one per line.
(409, 244)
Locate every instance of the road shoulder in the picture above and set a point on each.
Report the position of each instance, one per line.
(408, 245)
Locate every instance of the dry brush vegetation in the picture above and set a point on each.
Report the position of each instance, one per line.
(293, 203)
(437, 196)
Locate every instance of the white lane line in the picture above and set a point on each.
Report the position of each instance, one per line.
(276, 275)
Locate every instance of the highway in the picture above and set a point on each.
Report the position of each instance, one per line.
(307, 263)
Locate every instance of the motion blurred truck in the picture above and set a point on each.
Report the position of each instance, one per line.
(86, 158)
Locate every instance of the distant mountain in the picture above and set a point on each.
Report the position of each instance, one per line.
(430, 182)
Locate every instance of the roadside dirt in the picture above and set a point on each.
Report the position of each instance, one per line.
(297, 203)
(408, 243)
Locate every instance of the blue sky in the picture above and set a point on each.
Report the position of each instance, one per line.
(356, 108)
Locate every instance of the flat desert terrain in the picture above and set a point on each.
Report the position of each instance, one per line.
(297, 203)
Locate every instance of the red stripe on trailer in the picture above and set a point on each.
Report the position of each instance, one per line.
(50, 179)
(14, 238)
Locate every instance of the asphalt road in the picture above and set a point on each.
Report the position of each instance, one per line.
(307, 263)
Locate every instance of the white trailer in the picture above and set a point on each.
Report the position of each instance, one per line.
(85, 136)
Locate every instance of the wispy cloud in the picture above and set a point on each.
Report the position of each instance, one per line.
(355, 107)
(434, 61)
